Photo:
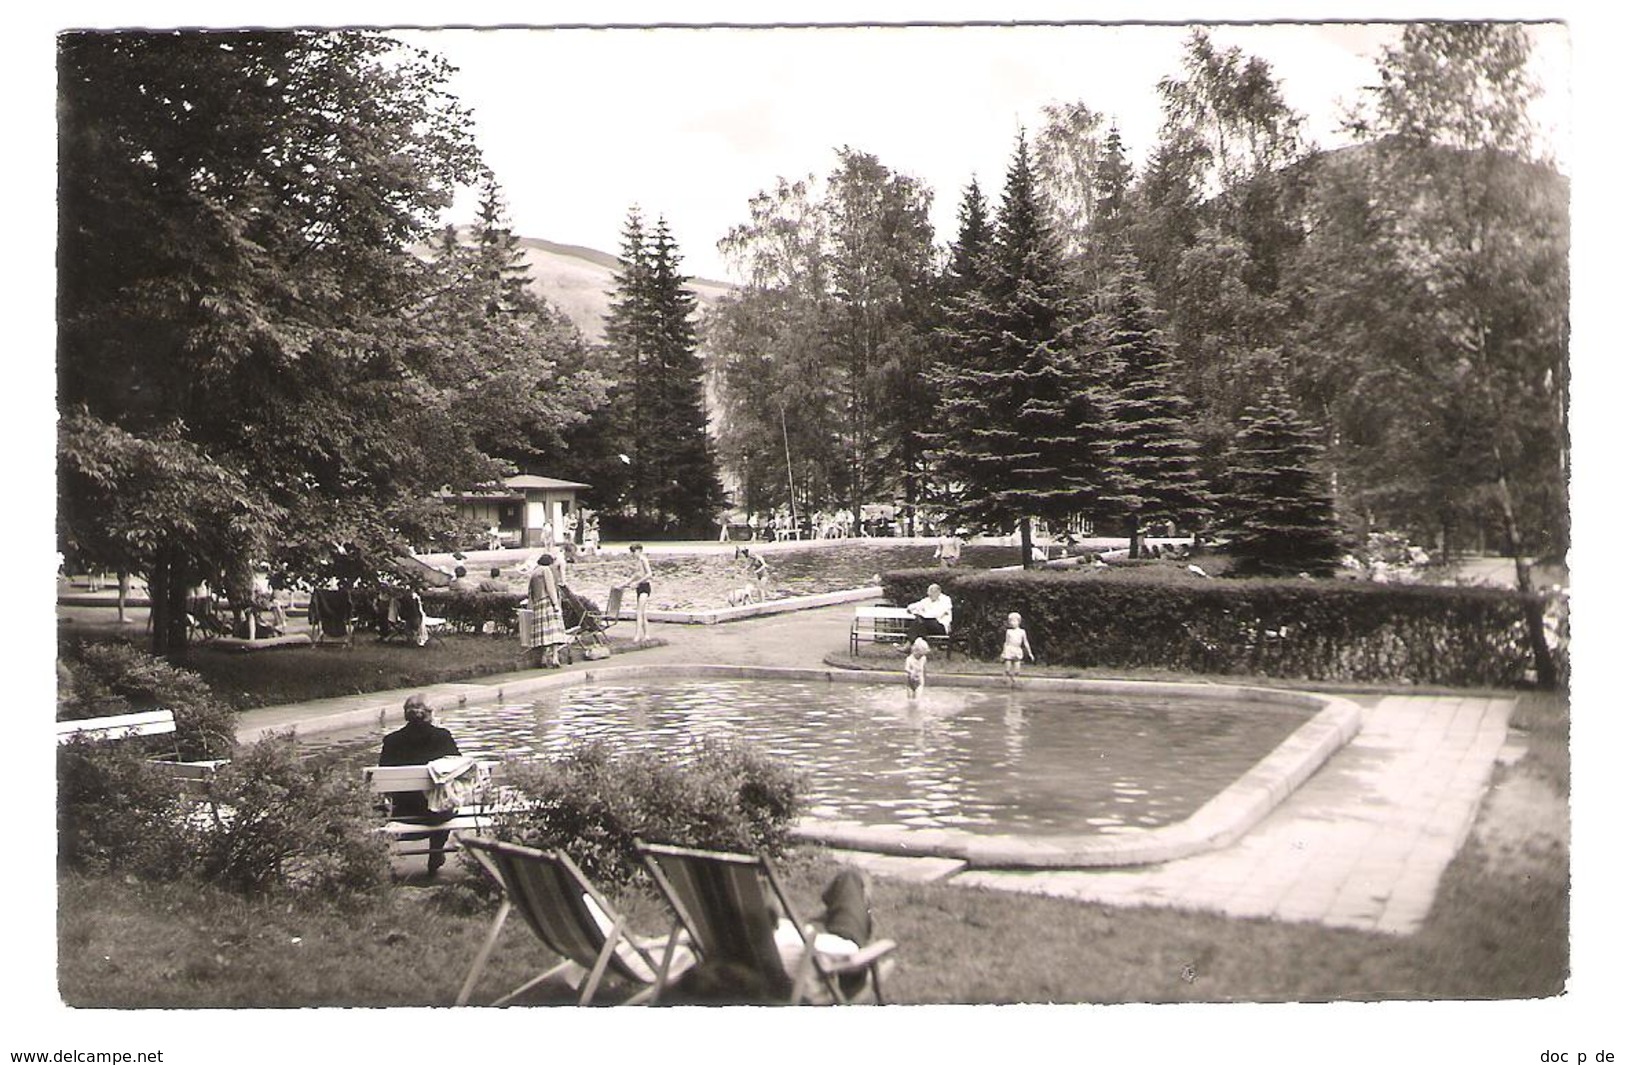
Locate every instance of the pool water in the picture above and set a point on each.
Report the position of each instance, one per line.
(977, 760)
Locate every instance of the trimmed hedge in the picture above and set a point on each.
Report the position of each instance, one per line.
(1316, 630)
(473, 611)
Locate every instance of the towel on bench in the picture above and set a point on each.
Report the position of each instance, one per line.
(454, 780)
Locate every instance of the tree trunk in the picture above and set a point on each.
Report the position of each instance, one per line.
(1026, 528)
(158, 596)
(1133, 534)
(1533, 617)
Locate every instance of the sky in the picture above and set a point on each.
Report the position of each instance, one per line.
(579, 125)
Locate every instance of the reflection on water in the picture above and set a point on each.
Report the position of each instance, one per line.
(1015, 762)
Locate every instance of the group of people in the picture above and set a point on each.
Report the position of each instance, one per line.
(933, 615)
(544, 598)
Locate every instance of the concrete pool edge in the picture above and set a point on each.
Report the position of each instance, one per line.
(1221, 821)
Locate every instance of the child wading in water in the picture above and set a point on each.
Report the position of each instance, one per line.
(1016, 647)
(914, 666)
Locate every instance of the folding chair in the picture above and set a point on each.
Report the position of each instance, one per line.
(573, 920)
(332, 615)
(587, 636)
(730, 906)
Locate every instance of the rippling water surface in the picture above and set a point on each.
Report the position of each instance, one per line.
(984, 761)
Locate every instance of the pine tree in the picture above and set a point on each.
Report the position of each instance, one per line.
(1154, 458)
(684, 487)
(1109, 228)
(629, 332)
(965, 267)
(1279, 504)
(1019, 439)
(661, 417)
(501, 263)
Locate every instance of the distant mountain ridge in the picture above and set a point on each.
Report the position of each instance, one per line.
(579, 281)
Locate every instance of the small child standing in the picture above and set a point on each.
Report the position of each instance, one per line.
(914, 666)
(1016, 647)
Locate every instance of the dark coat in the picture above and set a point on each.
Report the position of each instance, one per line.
(416, 743)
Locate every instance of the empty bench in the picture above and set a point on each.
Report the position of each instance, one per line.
(192, 776)
(889, 625)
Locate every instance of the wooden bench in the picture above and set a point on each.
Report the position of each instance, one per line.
(193, 777)
(385, 780)
(889, 624)
(122, 726)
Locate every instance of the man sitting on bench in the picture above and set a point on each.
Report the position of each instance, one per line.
(419, 742)
(932, 616)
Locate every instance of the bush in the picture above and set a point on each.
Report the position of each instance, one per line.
(592, 803)
(108, 679)
(269, 821)
(1318, 630)
(286, 824)
(119, 813)
(473, 611)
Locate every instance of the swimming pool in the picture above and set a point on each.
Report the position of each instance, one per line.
(1033, 762)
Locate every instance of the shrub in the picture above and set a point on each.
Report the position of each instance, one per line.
(108, 679)
(592, 803)
(119, 813)
(1319, 630)
(286, 824)
(474, 611)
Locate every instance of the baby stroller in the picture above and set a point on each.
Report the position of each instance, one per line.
(586, 633)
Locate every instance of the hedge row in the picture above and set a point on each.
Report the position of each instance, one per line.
(1317, 630)
(494, 612)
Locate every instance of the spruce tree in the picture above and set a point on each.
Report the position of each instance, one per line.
(1278, 503)
(1154, 457)
(960, 354)
(659, 397)
(1020, 439)
(628, 333)
(500, 262)
(1109, 228)
(684, 487)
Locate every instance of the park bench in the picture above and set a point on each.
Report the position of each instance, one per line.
(385, 780)
(193, 777)
(889, 625)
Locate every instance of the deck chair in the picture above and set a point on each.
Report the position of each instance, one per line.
(332, 615)
(730, 904)
(573, 920)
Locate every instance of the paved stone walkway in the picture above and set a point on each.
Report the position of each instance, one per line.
(1361, 845)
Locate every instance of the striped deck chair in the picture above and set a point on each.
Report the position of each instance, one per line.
(730, 906)
(573, 920)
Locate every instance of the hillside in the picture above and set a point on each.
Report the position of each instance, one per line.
(578, 281)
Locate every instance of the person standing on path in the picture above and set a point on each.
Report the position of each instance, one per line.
(547, 612)
(642, 580)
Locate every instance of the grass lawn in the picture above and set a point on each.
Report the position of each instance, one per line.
(301, 674)
(144, 945)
